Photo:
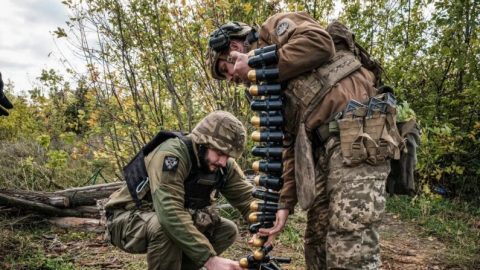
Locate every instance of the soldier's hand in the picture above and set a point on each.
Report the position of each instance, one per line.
(280, 221)
(219, 263)
(241, 68)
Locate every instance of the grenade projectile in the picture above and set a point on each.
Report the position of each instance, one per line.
(259, 241)
(267, 136)
(261, 217)
(260, 254)
(263, 74)
(263, 59)
(267, 152)
(262, 50)
(267, 121)
(249, 262)
(257, 206)
(255, 227)
(267, 166)
(266, 104)
(275, 183)
(266, 196)
(265, 89)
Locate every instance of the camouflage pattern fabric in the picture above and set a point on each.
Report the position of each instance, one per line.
(342, 228)
(140, 232)
(222, 131)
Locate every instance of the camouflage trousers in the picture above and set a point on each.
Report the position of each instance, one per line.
(139, 231)
(342, 226)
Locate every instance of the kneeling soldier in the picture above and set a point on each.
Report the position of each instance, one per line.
(174, 222)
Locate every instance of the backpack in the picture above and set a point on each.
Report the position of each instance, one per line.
(344, 39)
(135, 172)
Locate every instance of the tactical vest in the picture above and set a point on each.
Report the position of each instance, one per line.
(309, 91)
(199, 185)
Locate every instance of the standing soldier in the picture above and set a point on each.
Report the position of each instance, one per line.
(174, 222)
(343, 190)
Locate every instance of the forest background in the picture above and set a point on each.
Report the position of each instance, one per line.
(146, 71)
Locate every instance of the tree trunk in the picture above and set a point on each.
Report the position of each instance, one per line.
(37, 206)
(90, 194)
(74, 202)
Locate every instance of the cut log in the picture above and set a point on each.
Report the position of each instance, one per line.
(78, 224)
(90, 194)
(35, 196)
(88, 211)
(74, 202)
(66, 198)
(37, 206)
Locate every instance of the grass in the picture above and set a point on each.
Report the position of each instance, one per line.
(21, 248)
(453, 222)
(29, 244)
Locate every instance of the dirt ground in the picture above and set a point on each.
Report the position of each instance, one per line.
(402, 248)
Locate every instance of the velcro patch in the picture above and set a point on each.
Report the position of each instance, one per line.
(170, 164)
(282, 28)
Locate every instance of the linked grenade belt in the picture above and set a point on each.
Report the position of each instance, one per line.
(268, 103)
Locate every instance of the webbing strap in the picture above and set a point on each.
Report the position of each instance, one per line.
(342, 65)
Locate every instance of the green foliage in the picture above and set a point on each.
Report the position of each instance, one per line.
(405, 112)
(454, 222)
(147, 70)
(449, 158)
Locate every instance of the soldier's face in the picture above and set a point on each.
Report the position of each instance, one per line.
(237, 69)
(215, 159)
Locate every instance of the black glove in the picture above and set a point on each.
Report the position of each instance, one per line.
(4, 102)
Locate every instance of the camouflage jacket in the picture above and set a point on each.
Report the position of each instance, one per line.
(303, 48)
(167, 190)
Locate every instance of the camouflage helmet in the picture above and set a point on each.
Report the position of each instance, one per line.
(219, 42)
(221, 131)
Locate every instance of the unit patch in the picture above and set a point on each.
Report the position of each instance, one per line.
(282, 28)
(170, 164)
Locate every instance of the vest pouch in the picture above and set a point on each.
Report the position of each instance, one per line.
(391, 136)
(377, 147)
(205, 219)
(352, 140)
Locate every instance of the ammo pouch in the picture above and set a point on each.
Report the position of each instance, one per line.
(352, 140)
(205, 219)
(370, 134)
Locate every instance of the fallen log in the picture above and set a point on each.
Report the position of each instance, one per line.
(78, 224)
(37, 206)
(36, 196)
(66, 198)
(73, 202)
(90, 194)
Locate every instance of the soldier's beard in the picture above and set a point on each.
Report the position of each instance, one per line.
(205, 164)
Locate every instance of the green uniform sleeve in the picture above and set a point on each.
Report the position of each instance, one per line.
(237, 190)
(167, 187)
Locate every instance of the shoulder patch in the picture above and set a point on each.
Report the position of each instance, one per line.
(170, 164)
(282, 28)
